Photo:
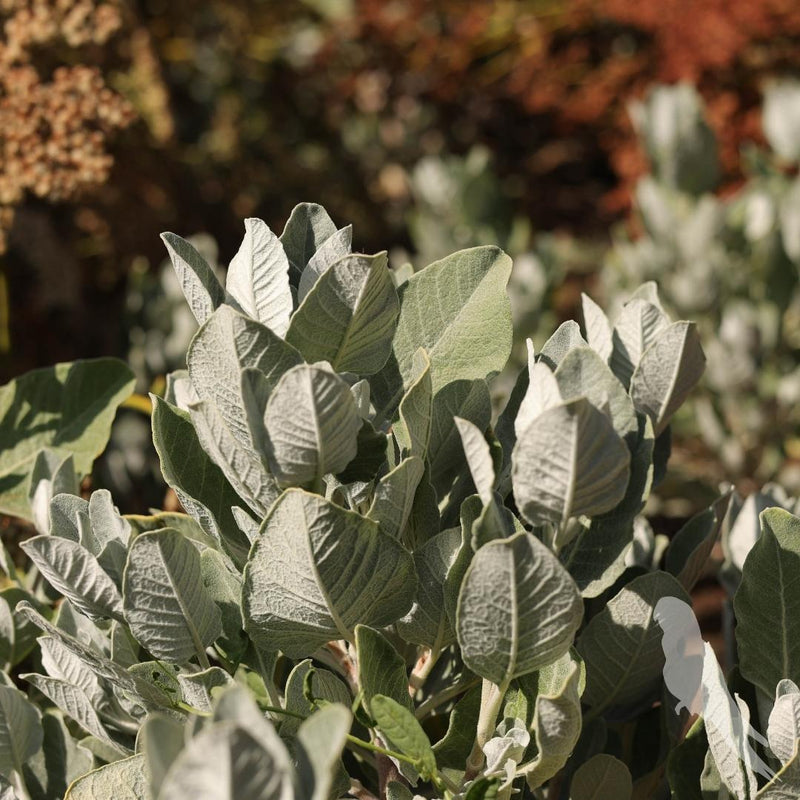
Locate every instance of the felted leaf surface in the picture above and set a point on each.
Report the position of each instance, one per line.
(197, 280)
(306, 230)
(317, 570)
(336, 246)
(122, 780)
(67, 408)
(20, 729)
(518, 609)
(167, 606)
(458, 310)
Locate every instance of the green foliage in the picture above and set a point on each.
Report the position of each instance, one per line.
(367, 564)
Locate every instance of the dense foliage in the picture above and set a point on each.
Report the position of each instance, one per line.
(376, 590)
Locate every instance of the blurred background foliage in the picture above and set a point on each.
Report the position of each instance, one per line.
(600, 142)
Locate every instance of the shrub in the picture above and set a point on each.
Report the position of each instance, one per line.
(374, 587)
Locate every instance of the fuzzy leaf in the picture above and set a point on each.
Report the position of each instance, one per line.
(403, 731)
(336, 246)
(381, 670)
(600, 777)
(122, 780)
(306, 230)
(21, 732)
(598, 329)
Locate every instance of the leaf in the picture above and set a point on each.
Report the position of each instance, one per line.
(458, 310)
(667, 373)
(21, 732)
(637, 328)
(226, 761)
(685, 764)
(322, 738)
(783, 731)
(224, 586)
(75, 572)
(381, 670)
(569, 462)
(595, 557)
(242, 467)
(197, 687)
(313, 423)
(566, 337)
(469, 400)
(336, 246)
(199, 483)
(348, 319)
(453, 749)
(598, 329)
(167, 607)
(479, 459)
(786, 784)
(556, 724)
(75, 704)
(394, 496)
(67, 408)
(621, 645)
(52, 474)
(690, 548)
(258, 277)
(226, 344)
(413, 429)
(600, 777)
(403, 732)
(306, 230)
(161, 739)
(305, 686)
(767, 603)
(582, 373)
(518, 609)
(542, 393)
(317, 570)
(427, 623)
(122, 780)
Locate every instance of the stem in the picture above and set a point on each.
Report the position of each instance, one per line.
(423, 668)
(440, 698)
(202, 657)
(491, 699)
(269, 681)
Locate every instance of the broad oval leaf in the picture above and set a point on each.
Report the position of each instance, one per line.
(67, 408)
(783, 731)
(381, 670)
(667, 372)
(621, 646)
(322, 738)
(76, 573)
(394, 496)
(518, 609)
(316, 571)
(413, 429)
(637, 328)
(348, 319)
(167, 606)
(566, 337)
(569, 462)
(20, 730)
(597, 327)
(336, 246)
(601, 777)
(401, 729)
(198, 282)
(458, 310)
(122, 780)
(767, 603)
(306, 230)
(479, 459)
(312, 423)
(258, 277)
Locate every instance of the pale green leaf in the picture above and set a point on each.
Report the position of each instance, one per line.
(336, 246)
(601, 777)
(225, 345)
(598, 328)
(317, 570)
(224, 586)
(258, 277)
(767, 603)
(518, 609)
(306, 230)
(566, 337)
(122, 780)
(75, 573)
(542, 393)
(197, 687)
(427, 622)
(381, 670)
(313, 423)
(621, 645)
(479, 459)
(21, 732)
(348, 318)
(322, 685)
(394, 496)
(322, 738)
(67, 408)
(197, 280)
(167, 606)
(52, 474)
(403, 732)
(569, 462)
(667, 372)
(637, 328)
(161, 739)
(786, 784)
(783, 731)
(199, 483)
(458, 310)
(413, 429)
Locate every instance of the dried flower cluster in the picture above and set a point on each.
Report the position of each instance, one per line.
(53, 132)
